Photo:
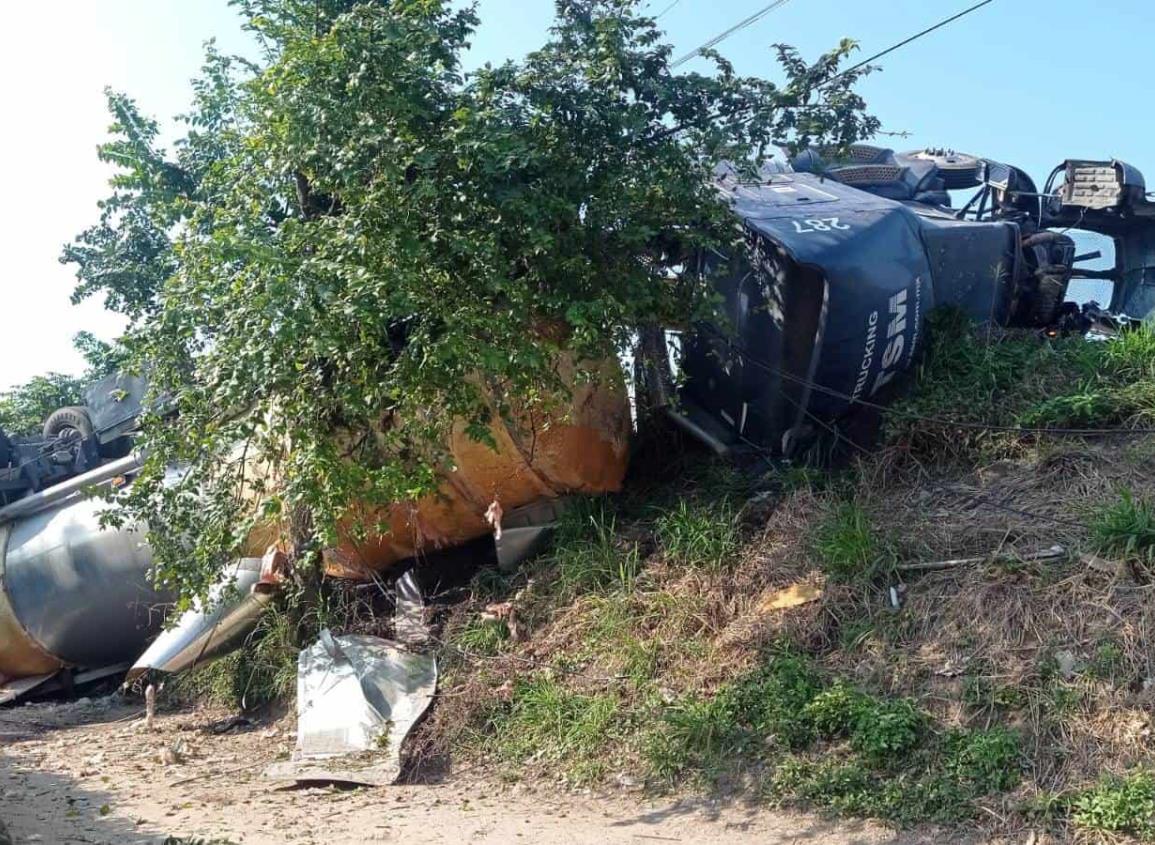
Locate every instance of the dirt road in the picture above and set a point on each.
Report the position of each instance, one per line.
(90, 773)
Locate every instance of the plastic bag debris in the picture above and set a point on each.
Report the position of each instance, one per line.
(792, 596)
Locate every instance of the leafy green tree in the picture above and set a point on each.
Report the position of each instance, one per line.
(355, 235)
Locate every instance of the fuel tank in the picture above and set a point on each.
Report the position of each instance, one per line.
(579, 448)
(73, 593)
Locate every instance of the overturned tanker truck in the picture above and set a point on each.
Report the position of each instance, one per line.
(847, 257)
(823, 310)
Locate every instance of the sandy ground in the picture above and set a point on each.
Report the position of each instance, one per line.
(90, 772)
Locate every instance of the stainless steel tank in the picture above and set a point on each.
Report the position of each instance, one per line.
(71, 592)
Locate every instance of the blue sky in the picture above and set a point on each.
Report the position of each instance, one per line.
(1030, 82)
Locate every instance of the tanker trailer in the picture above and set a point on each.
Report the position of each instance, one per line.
(73, 593)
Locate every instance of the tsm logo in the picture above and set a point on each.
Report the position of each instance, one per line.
(896, 340)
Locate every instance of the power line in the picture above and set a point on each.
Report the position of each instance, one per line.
(667, 10)
(906, 41)
(718, 39)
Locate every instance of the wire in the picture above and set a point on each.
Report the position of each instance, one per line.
(906, 41)
(718, 39)
(666, 10)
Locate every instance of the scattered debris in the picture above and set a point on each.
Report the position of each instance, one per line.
(526, 531)
(1051, 553)
(173, 755)
(1067, 664)
(409, 626)
(358, 697)
(493, 516)
(792, 596)
(228, 724)
(149, 707)
(1105, 566)
(506, 612)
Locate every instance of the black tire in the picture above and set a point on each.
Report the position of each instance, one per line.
(71, 422)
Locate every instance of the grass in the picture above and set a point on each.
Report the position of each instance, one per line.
(1126, 529)
(848, 545)
(649, 651)
(485, 637)
(263, 671)
(832, 745)
(588, 554)
(546, 722)
(701, 534)
(1020, 379)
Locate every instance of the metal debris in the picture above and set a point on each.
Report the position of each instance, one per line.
(409, 627)
(526, 532)
(358, 697)
(203, 634)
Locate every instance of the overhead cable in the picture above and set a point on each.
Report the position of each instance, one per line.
(718, 39)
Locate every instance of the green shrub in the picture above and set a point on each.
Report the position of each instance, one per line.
(884, 730)
(1118, 805)
(835, 711)
(772, 701)
(984, 761)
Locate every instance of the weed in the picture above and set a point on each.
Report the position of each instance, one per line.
(485, 637)
(1126, 529)
(984, 761)
(588, 555)
(854, 633)
(1118, 805)
(1018, 379)
(262, 671)
(764, 710)
(546, 721)
(847, 545)
(773, 700)
(835, 711)
(1060, 700)
(699, 534)
(980, 694)
(1107, 661)
(886, 730)
(697, 734)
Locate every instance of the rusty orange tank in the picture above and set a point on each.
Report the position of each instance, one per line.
(581, 448)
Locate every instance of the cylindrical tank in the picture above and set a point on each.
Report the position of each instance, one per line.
(71, 592)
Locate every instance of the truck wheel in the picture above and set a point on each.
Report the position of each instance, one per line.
(71, 423)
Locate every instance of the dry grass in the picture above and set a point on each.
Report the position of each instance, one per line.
(1058, 650)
